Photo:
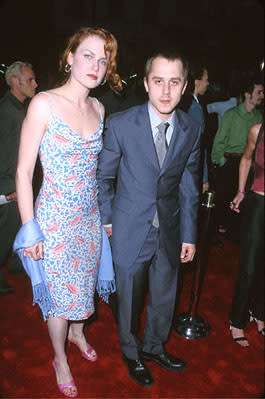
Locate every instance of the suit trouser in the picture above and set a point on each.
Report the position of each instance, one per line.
(9, 226)
(249, 290)
(153, 269)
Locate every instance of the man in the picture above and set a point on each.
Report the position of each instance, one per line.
(21, 80)
(148, 193)
(197, 86)
(228, 147)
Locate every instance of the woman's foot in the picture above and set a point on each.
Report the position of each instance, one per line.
(87, 351)
(64, 379)
(239, 337)
(260, 324)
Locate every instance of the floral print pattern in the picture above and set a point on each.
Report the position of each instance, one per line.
(67, 212)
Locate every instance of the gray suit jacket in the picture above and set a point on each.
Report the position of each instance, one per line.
(132, 185)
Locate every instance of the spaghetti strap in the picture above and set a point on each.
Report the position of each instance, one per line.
(99, 109)
(49, 99)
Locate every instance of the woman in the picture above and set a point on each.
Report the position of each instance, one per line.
(249, 291)
(65, 126)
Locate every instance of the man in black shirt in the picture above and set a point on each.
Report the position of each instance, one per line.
(21, 80)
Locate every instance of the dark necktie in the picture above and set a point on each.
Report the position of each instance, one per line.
(161, 142)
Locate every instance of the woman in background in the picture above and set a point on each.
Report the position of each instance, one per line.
(249, 291)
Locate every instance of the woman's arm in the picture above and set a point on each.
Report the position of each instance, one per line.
(31, 134)
(244, 166)
(32, 131)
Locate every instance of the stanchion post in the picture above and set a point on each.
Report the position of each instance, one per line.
(189, 324)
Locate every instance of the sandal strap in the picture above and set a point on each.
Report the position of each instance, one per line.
(240, 339)
(70, 384)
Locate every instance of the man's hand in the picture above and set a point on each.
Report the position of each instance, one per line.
(205, 187)
(11, 196)
(108, 231)
(187, 253)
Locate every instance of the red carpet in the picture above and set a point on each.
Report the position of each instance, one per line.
(217, 367)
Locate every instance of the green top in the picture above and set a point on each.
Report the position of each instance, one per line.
(233, 132)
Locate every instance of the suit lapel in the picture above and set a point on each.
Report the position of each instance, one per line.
(179, 134)
(145, 137)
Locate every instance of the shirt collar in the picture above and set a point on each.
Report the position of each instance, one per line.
(156, 120)
(15, 101)
(244, 111)
(195, 98)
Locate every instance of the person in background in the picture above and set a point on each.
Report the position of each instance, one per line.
(248, 300)
(65, 126)
(197, 86)
(228, 147)
(22, 86)
(220, 107)
(151, 209)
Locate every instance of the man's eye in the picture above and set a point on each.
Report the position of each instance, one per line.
(158, 81)
(174, 82)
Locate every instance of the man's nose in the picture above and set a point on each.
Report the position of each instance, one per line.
(166, 88)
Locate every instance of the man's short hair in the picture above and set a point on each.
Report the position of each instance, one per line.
(249, 85)
(170, 55)
(196, 71)
(15, 69)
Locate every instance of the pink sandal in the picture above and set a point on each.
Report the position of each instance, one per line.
(90, 354)
(63, 387)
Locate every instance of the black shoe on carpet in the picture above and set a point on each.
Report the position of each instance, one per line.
(138, 371)
(165, 360)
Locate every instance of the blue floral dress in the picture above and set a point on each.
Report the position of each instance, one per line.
(67, 212)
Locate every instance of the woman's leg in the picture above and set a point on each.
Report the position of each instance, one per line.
(57, 330)
(77, 336)
(248, 261)
(257, 306)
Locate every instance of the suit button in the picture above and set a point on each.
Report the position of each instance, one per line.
(149, 221)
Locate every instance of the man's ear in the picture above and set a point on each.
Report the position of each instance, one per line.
(247, 95)
(196, 83)
(14, 81)
(146, 85)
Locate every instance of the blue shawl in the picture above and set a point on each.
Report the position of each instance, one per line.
(28, 235)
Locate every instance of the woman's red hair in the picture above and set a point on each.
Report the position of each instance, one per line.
(111, 47)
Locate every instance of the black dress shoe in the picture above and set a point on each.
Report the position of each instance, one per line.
(138, 372)
(165, 360)
(6, 289)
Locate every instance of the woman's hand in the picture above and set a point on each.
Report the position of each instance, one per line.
(35, 252)
(234, 205)
(108, 230)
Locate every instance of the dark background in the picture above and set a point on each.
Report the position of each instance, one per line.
(227, 34)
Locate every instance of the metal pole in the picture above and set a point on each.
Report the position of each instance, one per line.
(189, 324)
